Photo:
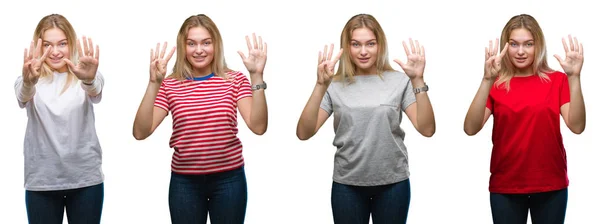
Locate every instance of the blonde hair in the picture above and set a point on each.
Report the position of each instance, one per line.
(183, 69)
(60, 22)
(347, 69)
(540, 64)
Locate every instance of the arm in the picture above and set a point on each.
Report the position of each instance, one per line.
(573, 112)
(148, 116)
(312, 117)
(23, 91)
(478, 113)
(421, 113)
(254, 109)
(94, 88)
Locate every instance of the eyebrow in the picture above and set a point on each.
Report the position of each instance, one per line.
(205, 39)
(365, 41)
(45, 41)
(523, 41)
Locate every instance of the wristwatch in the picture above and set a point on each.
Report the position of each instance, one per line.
(260, 86)
(421, 89)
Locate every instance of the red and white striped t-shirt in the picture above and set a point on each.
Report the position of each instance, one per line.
(204, 122)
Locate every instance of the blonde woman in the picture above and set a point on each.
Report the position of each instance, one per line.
(367, 97)
(526, 97)
(63, 158)
(204, 96)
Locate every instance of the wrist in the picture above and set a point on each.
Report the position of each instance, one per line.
(88, 82)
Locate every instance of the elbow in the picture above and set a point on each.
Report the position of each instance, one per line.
(302, 136)
(138, 135)
(259, 131)
(428, 132)
(578, 130)
(470, 131)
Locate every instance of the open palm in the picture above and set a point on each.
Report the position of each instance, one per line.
(32, 63)
(158, 63)
(257, 55)
(87, 65)
(326, 65)
(573, 61)
(415, 64)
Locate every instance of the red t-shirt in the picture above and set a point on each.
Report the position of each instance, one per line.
(204, 122)
(528, 155)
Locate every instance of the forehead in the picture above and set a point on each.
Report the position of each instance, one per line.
(53, 35)
(363, 34)
(521, 34)
(198, 33)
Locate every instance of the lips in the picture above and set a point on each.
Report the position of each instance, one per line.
(521, 60)
(363, 60)
(56, 60)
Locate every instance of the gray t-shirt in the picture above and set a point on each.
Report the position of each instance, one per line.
(368, 137)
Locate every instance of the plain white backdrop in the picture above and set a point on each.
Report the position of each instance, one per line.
(289, 181)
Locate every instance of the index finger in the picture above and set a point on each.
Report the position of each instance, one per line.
(248, 43)
(46, 53)
(164, 49)
(38, 49)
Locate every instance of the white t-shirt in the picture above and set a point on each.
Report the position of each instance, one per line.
(61, 148)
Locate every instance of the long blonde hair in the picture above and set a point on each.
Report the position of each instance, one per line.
(183, 69)
(347, 68)
(540, 64)
(58, 21)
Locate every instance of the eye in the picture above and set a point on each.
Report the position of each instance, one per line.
(63, 44)
(371, 44)
(355, 44)
(529, 44)
(513, 44)
(46, 45)
(207, 43)
(190, 43)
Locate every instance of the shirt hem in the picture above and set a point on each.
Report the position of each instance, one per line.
(372, 183)
(64, 186)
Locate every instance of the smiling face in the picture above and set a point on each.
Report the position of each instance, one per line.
(199, 50)
(521, 50)
(363, 51)
(56, 38)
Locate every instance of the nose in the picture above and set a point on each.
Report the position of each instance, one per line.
(363, 51)
(199, 49)
(521, 51)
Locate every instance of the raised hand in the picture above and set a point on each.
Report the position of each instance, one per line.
(158, 63)
(573, 57)
(257, 56)
(326, 65)
(415, 65)
(86, 68)
(32, 63)
(493, 61)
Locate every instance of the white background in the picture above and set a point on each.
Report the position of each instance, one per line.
(289, 181)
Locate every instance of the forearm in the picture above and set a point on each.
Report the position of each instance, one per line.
(93, 87)
(476, 113)
(577, 105)
(142, 126)
(307, 124)
(24, 92)
(258, 114)
(425, 116)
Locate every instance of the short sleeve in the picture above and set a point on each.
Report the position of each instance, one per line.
(408, 97)
(243, 85)
(565, 92)
(326, 103)
(161, 100)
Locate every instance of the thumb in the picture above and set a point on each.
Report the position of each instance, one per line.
(69, 63)
(399, 62)
(242, 55)
(558, 58)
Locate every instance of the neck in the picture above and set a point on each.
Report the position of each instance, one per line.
(524, 72)
(369, 71)
(196, 73)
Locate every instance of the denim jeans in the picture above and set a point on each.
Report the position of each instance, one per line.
(83, 205)
(221, 196)
(546, 207)
(386, 203)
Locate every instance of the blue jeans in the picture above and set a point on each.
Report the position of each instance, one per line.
(546, 207)
(354, 204)
(221, 195)
(83, 205)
